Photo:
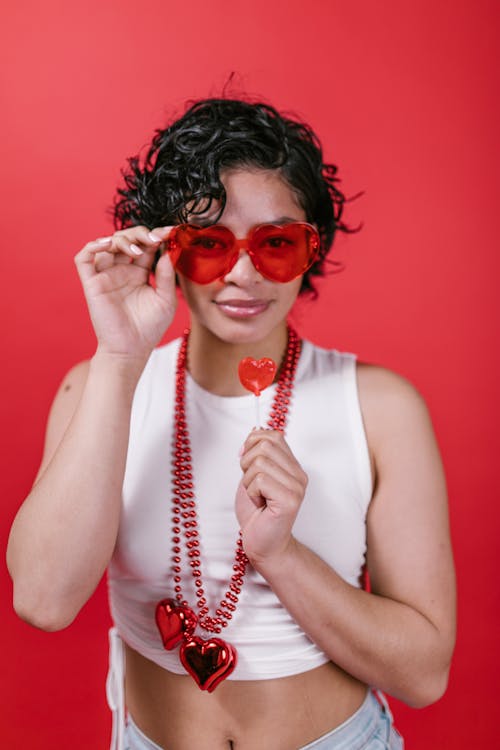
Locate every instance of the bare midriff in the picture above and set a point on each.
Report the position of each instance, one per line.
(283, 714)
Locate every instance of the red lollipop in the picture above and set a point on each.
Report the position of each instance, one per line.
(256, 374)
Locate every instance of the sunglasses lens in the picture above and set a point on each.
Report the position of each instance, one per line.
(284, 253)
(203, 254)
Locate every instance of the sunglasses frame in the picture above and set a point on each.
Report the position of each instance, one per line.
(226, 260)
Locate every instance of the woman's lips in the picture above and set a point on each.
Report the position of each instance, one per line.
(242, 308)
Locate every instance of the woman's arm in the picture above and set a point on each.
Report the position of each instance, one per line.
(399, 637)
(64, 533)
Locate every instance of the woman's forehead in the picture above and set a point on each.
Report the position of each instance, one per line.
(253, 196)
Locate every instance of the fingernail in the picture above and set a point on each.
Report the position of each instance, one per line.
(104, 240)
(154, 237)
(242, 450)
(136, 250)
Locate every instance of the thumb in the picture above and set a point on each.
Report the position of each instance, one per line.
(243, 505)
(165, 279)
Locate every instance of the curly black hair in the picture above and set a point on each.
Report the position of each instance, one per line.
(183, 164)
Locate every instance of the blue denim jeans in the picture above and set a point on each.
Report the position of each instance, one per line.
(369, 728)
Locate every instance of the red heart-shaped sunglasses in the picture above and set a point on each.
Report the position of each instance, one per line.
(280, 253)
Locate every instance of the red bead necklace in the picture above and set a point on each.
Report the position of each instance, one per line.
(207, 661)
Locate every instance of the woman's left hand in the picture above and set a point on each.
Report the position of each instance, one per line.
(269, 495)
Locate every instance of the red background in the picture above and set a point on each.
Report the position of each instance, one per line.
(405, 98)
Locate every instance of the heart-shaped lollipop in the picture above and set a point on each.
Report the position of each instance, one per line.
(208, 662)
(174, 621)
(256, 374)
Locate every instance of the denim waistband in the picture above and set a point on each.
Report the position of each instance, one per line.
(372, 718)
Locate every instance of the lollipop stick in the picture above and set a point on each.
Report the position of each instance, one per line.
(257, 411)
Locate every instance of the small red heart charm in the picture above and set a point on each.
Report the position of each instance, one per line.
(208, 662)
(174, 621)
(256, 374)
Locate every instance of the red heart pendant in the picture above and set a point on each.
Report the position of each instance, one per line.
(208, 662)
(256, 374)
(175, 621)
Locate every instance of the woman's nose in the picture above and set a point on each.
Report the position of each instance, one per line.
(243, 271)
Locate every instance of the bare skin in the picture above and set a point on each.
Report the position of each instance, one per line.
(285, 713)
(399, 637)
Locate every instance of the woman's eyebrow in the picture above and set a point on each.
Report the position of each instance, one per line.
(207, 222)
(284, 220)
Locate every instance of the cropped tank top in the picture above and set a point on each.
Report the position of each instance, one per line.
(326, 434)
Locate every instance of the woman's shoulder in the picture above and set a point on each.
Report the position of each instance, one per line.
(76, 376)
(70, 390)
(393, 410)
(391, 405)
(62, 409)
(385, 390)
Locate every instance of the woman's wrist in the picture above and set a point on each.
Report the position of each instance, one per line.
(126, 366)
(278, 565)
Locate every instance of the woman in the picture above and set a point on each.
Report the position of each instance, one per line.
(152, 468)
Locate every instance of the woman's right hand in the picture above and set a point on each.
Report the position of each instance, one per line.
(128, 314)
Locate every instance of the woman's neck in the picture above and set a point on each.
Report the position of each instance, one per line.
(213, 363)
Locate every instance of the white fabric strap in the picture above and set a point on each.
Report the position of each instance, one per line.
(115, 689)
(383, 702)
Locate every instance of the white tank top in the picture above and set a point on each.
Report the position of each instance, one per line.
(326, 434)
